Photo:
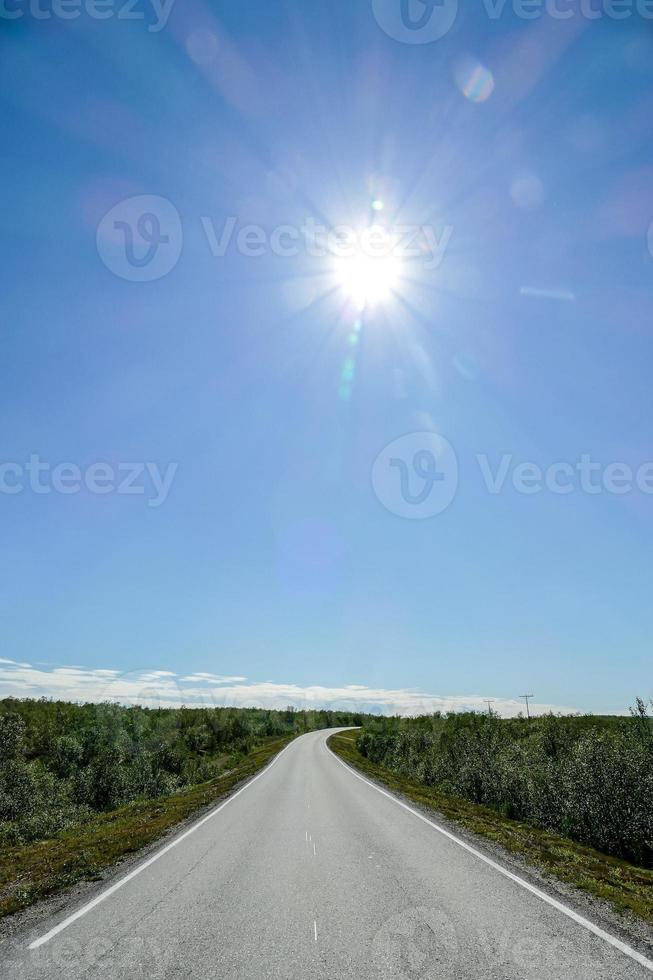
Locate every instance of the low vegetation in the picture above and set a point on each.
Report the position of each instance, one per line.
(572, 795)
(82, 785)
(590, 779)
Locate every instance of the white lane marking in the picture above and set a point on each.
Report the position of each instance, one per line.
(307, 837)
(155, 857)
(585, 923)
(315, 929)
(314, 849)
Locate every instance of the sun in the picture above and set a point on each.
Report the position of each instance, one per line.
(369, 272)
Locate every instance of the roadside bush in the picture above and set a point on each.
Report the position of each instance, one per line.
(12, 737)
(583, 778)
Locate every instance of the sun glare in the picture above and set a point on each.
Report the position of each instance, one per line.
(369, 275)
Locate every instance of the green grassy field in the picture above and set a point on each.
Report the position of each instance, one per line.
(627, 888)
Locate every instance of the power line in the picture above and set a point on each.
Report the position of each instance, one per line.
(526, 698)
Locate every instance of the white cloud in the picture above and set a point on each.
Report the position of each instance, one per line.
(212, 679)
(163, 687)
(156, 675)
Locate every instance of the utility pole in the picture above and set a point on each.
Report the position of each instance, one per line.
(488, 702)
(526, 697)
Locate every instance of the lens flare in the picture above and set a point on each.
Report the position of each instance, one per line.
(474, 80)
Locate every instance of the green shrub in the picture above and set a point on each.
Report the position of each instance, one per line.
(585, 778)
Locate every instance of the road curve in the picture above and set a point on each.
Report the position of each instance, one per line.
(310, 872)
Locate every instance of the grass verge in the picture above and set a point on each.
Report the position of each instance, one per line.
(627, 888)
(40, 869)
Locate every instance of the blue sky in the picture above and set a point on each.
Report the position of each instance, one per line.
(274, 556)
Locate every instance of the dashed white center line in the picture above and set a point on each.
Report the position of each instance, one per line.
(314, 851)
(315, 929)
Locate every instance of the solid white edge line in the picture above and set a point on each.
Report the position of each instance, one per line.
(585, 923)
(155, 857)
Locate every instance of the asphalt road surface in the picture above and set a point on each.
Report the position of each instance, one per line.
(311, 872)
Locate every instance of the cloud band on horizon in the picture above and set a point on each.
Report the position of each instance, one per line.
(164, 688)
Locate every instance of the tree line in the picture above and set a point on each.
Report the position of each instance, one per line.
(61, 762)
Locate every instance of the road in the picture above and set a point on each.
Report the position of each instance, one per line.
(311, 872)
